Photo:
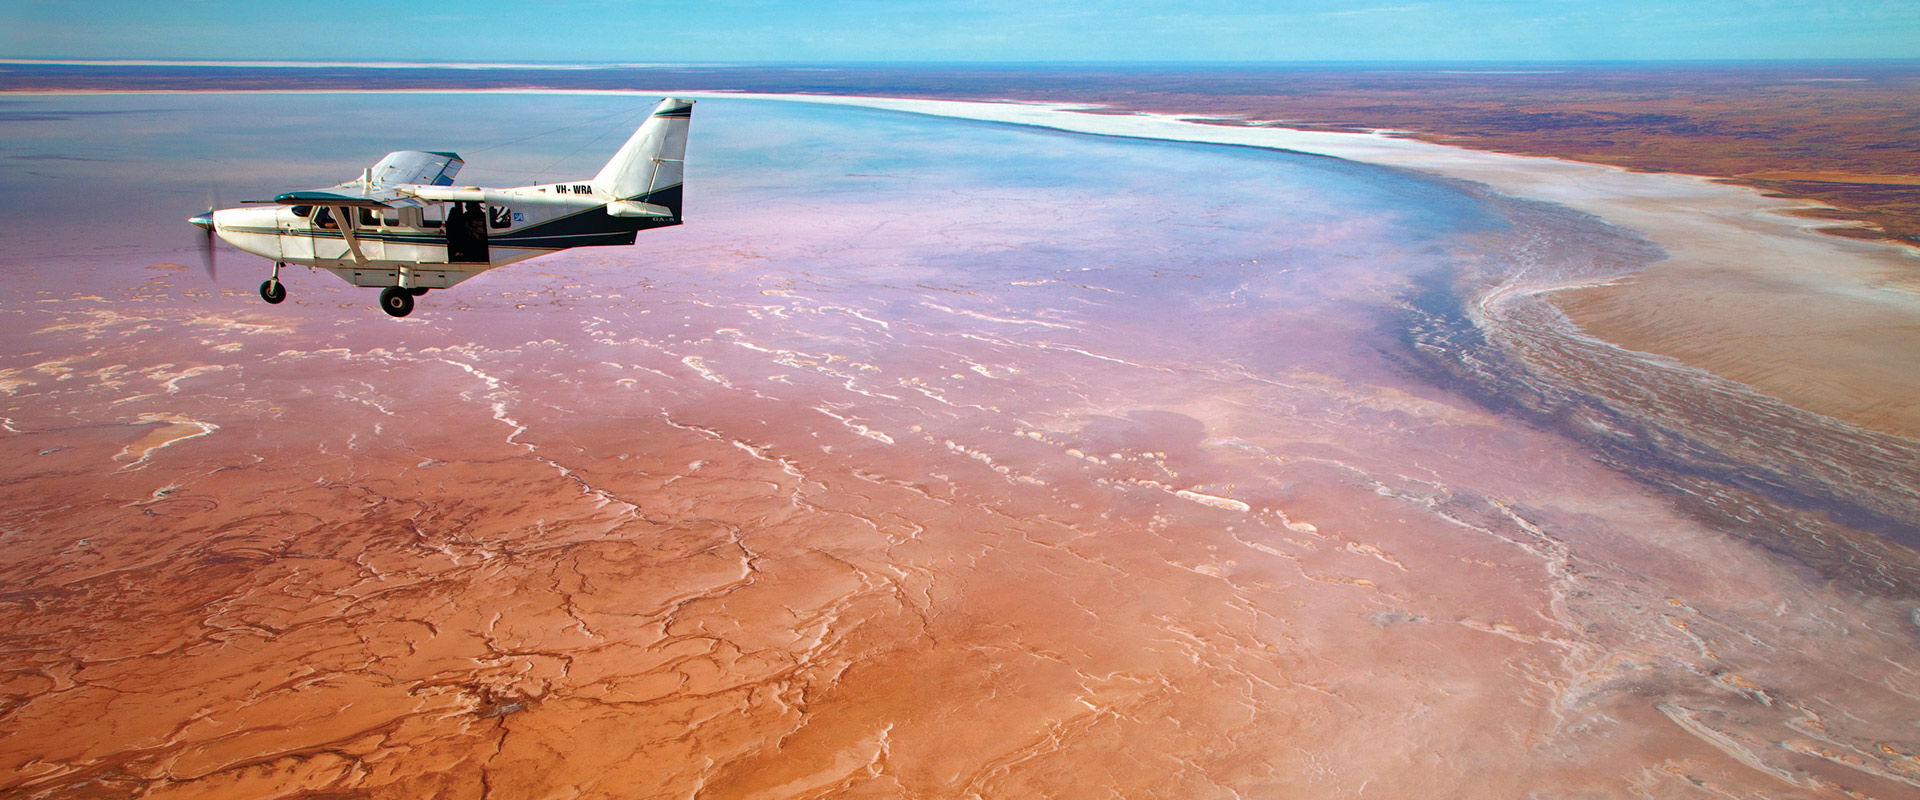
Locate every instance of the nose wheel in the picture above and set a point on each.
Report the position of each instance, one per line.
(397, 302)
(271, 289)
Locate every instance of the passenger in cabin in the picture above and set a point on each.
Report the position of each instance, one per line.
(323, 217)
(467, 233)
(476, 220)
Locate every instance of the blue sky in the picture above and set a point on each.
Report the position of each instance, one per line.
(961, 30)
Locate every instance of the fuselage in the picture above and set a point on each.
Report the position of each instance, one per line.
(453, 234)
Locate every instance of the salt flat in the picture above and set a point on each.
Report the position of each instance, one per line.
(931, 458)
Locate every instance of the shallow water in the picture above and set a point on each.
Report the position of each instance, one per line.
(930, 458)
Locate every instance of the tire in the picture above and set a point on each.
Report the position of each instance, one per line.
(417, 291)
(397, 302)
(273, 291)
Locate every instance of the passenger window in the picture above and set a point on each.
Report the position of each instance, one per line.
(499, 216)
(368, 217)
(390, 217)
(433, 216)
(324, 218)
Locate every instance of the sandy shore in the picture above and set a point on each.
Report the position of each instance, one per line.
(1750, 291)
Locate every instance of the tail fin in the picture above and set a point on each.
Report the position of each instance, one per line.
(650, 166)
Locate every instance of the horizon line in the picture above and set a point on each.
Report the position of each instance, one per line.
(613, 65)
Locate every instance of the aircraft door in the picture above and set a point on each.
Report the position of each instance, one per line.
(296, 237)
(467, 233)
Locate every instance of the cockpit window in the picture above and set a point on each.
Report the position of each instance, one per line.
(302, 211)
(324, 218)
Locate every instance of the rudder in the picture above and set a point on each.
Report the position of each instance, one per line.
(650, 167)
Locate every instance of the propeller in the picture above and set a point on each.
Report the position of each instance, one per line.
(204, 221)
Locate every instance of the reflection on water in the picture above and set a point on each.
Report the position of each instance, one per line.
(928, 458)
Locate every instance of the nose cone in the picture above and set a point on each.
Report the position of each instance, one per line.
(203, 220)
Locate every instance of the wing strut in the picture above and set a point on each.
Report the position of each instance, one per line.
(346, 232)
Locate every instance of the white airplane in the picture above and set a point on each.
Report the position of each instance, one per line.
(403, 225)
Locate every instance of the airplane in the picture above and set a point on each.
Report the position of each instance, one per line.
(404, 227)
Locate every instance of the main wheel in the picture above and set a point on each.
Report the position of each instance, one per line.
(397, 302)
(272, 291)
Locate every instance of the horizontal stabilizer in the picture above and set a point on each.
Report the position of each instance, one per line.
(634, 208)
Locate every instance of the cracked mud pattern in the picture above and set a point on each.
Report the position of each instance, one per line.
(933, 460)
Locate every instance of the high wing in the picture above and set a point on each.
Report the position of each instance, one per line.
(379, 186)
(414, 166)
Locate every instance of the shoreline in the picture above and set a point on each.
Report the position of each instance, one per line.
(1751, 289)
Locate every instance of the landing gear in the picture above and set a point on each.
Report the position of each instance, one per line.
(272, 290)
(397, 302)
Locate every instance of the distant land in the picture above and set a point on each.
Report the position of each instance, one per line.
(1836, 132)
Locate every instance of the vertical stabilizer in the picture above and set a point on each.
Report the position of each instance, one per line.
(650, 166)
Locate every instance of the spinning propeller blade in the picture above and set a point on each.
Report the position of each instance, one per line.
(207, 251)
